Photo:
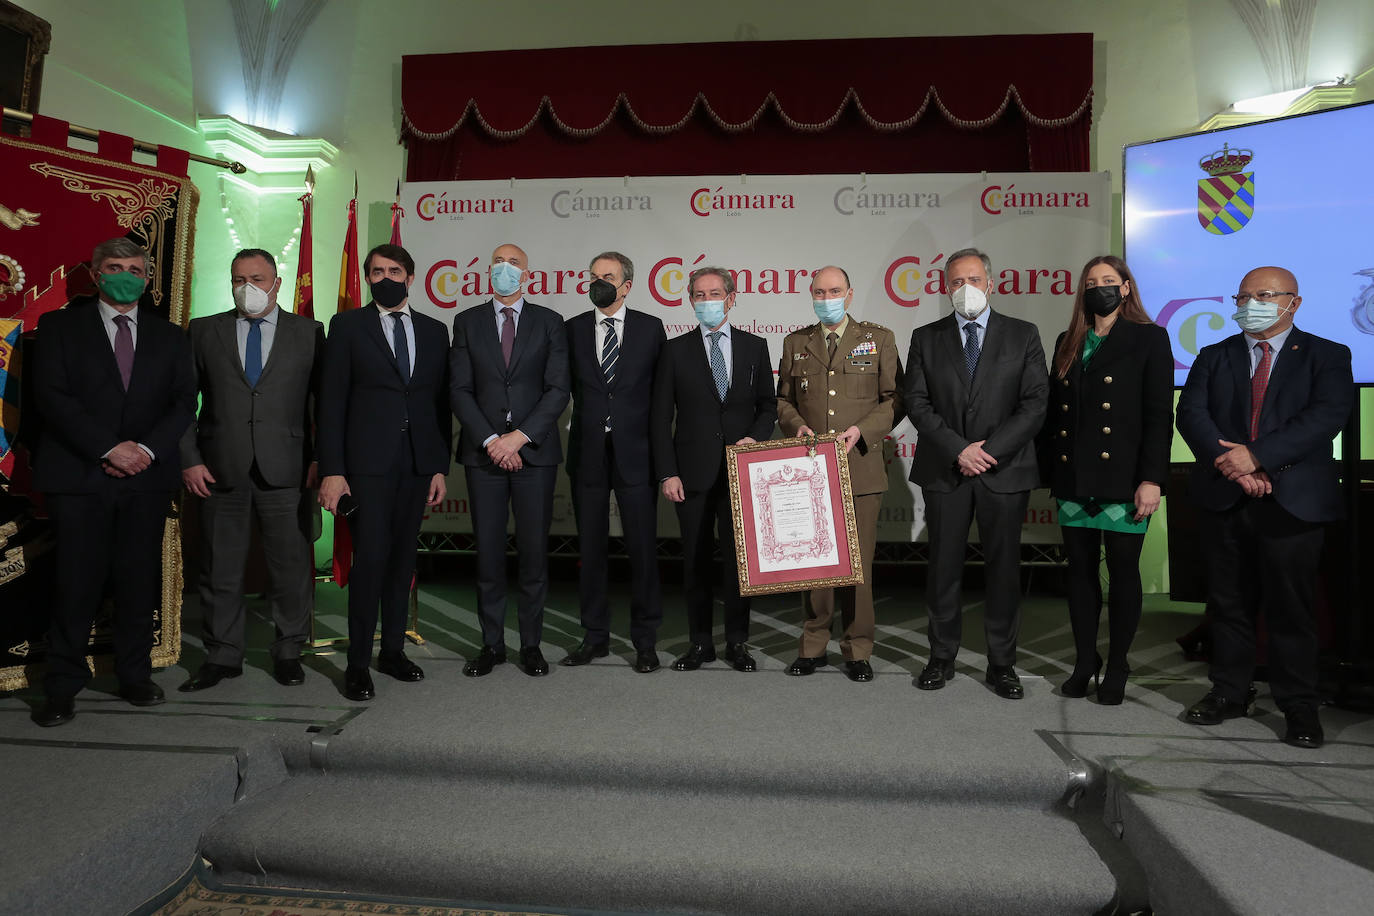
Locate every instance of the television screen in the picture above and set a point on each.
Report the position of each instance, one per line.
(1203, 209)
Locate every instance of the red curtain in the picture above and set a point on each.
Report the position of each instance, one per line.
(995, 103)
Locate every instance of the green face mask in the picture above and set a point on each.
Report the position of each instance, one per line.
(121, 288)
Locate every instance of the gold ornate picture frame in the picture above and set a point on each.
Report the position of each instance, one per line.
(793, 511)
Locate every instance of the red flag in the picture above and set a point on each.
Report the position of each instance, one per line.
(304, 302)
(396, 214)
(350, 297)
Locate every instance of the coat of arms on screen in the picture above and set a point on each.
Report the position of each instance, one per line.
(1226, 197)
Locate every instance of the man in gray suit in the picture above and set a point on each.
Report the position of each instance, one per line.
(975, 389)
(250, 454)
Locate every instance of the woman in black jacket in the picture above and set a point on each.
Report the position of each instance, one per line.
(1105, 453)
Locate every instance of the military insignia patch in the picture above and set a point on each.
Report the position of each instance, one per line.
(865, 348)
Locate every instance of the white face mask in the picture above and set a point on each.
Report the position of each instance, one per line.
(252, 301)
(969, 301)
(1258, 315)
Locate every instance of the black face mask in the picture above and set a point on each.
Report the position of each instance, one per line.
(1102, 300)
(389, 293)
(602, 292)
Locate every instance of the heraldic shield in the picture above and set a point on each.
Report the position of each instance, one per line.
(1226, 197)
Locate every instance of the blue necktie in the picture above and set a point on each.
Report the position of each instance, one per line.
(718, 365)
(401, 346)
(252, 352)
(971, 349)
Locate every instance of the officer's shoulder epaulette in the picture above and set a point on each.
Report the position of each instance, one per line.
(874, 325)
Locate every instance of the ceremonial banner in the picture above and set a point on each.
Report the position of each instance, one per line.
(793, 512)
(891, 233)
(56, 204)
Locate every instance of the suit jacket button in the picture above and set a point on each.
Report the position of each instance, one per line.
(1063, 457)
(257, 394)
(1066, 383)
(832, 432)
(1106, 430)
(1105, 456)
(1063, 434)
(1107, 379)
(1064, 407)
(1106, 405)
(717, 435)
(832, 371)
(832, 392)
(832, 411)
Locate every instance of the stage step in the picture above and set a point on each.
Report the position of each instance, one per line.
(670, 849)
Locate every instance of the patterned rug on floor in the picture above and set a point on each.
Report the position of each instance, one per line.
(201, 896)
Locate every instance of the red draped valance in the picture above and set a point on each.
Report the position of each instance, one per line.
(475, 112)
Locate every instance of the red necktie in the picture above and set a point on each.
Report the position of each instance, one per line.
(1258, 383)
(124, 349)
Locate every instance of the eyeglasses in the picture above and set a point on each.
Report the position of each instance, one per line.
(1264, 294)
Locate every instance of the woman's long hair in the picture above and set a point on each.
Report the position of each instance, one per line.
(1131, 309)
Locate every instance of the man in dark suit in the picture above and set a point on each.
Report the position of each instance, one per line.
(713, 387)
(112, 382)
(842, 376)
(1259, 411)
(975, 390)
(509, 368)
(385, 441)
(612, 352)
(251, 454)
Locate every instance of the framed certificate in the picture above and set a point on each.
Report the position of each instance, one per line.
(793, 511)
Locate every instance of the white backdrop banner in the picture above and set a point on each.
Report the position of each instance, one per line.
(891, 233)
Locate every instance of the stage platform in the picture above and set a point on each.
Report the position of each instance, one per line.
(599, 789)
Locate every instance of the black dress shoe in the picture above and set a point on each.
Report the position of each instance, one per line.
(1004, 682)
(209, 675)
(400, 667)
(532, 662)
(584, 654)
(358, 684)
(1213, 709)
(694, 658)
(803, 666)
(486, 659)
(55, 711)
(936, 673)
(288, 672)
(737, 654)
(859, 670)
(142, 693)
(1304, 727)
(646, 660)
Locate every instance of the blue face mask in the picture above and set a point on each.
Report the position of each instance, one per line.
(829, 311)
(1258, 315)
(710, 312)
(505, 278)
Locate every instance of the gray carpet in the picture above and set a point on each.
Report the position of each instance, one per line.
(709, 791)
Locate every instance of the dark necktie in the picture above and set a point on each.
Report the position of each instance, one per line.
(401, 346)
(252, 352)
(610, 352)
(124, 349)
(832, 340)
(718, 365)
(1258, 383)
(508, 334)
(971, 349)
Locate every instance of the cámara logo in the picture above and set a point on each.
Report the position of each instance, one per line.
(565, 203)
(1226, 198)
(705, 202)
(996, 199)
(850, 200)
(429, 207)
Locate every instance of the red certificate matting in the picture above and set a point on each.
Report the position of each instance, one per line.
(793, 513)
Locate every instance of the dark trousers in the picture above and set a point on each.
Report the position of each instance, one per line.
(948, 517)
(107, 543)
(1263, 560)
(705, 520)
(390, 509)
(1083, 547)
(492, 494)
(226, 523)
(638, 505)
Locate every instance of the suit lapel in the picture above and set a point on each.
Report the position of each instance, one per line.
(993, 343)
(815, 344)
(701, 357)
(523, 334)
(953, 344)
(100, 343)
(372, 327)
(1295, 352)
(740, 361)
(1238, 352)
(228, 342)
(586, 340)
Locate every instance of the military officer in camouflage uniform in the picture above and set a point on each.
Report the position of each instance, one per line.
(842, 376)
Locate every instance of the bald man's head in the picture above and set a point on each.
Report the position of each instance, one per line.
(513, 253)
(1269, 284)
(1278, 279)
